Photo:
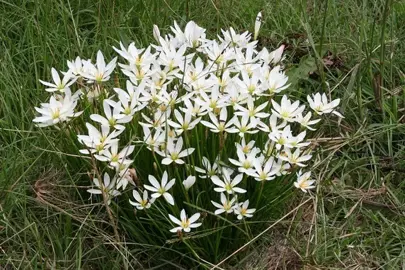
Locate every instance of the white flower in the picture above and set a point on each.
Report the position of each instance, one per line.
(125, 175)
(281, 138)
(266, 171)
(156, 32)
(258, 23)
(227, 184)
(275, 81)
(245, 148)
(213, 101)
(96, 141)
(114, 117)
(58, 84)
(297, 141)
(155, 140)
(107, 187)
(234, 39)
(245, 161)
(192, 35)
(242, 210)
(161, 189)
(143, 202)
(189, 182)
(249, 85)
(208, 170)
(99, 72)
(221, 125)
(75, 67)
(185, 224)
(304, 182)
(319, 103)
(114, 158)
(174, 152)
(306, 121)
(59, 109)
(225, 206)
(273, 57)
(295, 158)
(287, 110)
(184, 123)
(242, 127)
(252, 111)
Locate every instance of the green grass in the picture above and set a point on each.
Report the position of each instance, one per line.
(354, 49)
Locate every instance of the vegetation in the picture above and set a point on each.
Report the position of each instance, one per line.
(353, 49)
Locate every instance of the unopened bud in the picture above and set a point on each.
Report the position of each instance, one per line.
(156, 33)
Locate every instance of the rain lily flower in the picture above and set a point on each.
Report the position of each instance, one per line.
(96, 141)
(208, 170)
(192, 35)
(185, 223)
(275, 82)
(241, 126)
(160, 189)
(242, 211)
(184, 123)
(225, 205)
(281, 138)
(306, 121)
(155, 140)
(189, 182)
(174, 152)
(295, 158)
(219, 125)
(227, 184)
(252, 111)
(59, 109)
(273, 57)
(235, 40)
(58, 84)
(107, 187)
(113, 117)
(114, 157)
(266, 171)
(297, 141)
(75, 67)
(143, 202)
(287, 110)
(320, 104)
(245, 161)
(246, 148)
(304, 181)
(99, 72)
(258, 23)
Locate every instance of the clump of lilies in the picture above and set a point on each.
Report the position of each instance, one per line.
(212, 113)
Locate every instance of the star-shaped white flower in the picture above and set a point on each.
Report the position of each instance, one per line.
(185, 223)
(161, 189)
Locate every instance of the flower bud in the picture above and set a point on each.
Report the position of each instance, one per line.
(189, 182)
(156, 33)
(258, 23)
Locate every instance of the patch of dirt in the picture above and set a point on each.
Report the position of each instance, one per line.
(274, 255)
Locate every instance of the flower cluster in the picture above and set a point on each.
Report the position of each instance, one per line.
(184, 85)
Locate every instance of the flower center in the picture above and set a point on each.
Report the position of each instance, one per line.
(112, 121)
(56, 113)
(246, 164)
(185, 223)
(174, 155)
